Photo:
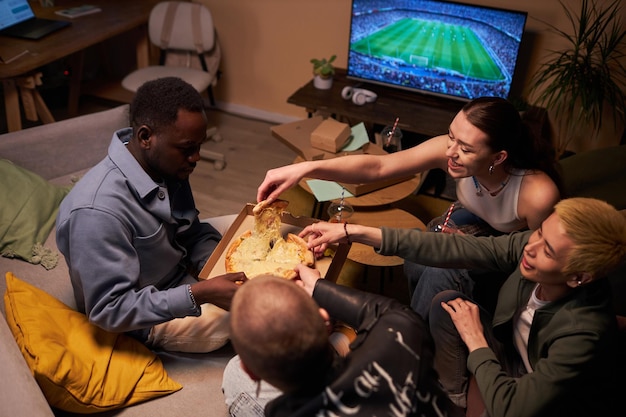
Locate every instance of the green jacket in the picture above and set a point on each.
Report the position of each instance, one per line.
(572, 342)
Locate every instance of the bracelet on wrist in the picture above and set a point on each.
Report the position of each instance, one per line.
(193, 299)
(345, 230)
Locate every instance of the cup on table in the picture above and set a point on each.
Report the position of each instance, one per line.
(391, 142)
(439, 225)
(339, 211)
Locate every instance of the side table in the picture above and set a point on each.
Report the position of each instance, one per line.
(390, 217)
(382, 266)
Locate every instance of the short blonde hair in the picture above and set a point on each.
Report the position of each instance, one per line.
(598, 231)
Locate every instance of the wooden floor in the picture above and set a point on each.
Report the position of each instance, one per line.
(249, 150)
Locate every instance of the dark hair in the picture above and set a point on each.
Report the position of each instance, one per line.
(157, 102)
(506, 130)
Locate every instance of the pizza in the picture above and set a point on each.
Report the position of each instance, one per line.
(263, 250)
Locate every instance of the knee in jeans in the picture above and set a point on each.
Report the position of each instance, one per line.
(442, 297)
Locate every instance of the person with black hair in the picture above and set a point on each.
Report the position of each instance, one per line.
(130, 233)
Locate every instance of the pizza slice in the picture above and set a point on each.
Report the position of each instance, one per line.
(263, 250)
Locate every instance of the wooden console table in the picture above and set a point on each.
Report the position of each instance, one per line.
(419, 113)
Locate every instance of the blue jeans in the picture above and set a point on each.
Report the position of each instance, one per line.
(425, 282)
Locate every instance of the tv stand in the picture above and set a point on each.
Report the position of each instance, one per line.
(422, 114)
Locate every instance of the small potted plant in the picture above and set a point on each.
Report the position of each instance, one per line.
(323, 72)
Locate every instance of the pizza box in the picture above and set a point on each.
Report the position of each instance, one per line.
(329, 267)
(297, 136)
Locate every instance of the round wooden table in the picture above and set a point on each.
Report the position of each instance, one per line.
(390, 217)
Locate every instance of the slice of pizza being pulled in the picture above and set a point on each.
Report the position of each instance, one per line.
(263, 250)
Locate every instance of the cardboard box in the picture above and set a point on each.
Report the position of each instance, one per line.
(330, 135)
(329, 267)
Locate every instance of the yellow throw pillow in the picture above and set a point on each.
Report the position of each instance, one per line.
(80, 367)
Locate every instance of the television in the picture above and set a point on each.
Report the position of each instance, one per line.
(437, 47)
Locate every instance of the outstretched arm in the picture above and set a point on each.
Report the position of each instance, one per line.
(356, 169)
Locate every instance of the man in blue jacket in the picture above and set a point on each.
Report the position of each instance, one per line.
(130, 233)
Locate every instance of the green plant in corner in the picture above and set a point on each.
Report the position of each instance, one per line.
(324, 67)
(578, 83)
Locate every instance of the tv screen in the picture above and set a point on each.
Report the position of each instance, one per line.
(438, 47)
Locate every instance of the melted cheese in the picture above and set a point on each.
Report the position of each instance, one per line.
(264, 251)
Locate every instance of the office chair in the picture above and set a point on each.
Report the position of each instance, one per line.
(189, 49)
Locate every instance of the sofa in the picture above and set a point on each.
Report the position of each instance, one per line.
(60, 153)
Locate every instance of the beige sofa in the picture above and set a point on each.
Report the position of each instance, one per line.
(61, 152)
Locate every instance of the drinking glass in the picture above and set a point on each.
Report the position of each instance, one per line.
(339, 211)
(391, 139)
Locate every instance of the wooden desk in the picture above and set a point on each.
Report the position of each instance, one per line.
(392, 217)
(116, 17)
(419, 113)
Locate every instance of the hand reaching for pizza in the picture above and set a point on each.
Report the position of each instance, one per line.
(321, 234)
(218, 290)
(308, 278)
(277, 181)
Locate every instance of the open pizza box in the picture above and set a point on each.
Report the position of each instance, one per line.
(329, 266)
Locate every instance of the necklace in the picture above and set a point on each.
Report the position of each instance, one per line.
(479, 186)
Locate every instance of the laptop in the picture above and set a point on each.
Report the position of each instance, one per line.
(18, 20)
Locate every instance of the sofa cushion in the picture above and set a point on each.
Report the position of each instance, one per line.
(56, 149)
(80, 367)
(27, 214)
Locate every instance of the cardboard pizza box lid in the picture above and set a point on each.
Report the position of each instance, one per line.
(329, 267)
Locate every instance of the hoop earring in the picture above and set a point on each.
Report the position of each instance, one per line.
(491, 169)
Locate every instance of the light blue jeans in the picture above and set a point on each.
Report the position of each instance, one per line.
(425, 282)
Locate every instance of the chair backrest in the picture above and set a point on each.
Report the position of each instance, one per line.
(182, 26)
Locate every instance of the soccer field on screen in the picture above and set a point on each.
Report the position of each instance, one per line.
(432, 44)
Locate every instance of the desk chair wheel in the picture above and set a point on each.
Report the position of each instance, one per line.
(213, 134)
(219, 162)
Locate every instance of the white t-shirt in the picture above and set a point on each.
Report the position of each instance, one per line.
(523, 321)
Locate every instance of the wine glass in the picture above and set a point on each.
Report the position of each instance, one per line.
(339, 211)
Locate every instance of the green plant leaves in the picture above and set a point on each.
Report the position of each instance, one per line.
(578, 82)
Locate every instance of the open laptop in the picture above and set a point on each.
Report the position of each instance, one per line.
(18, 20)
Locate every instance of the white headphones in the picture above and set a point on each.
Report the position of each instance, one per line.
(359, 96)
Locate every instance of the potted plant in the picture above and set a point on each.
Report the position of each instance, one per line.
(586, 81)
(323, 72)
